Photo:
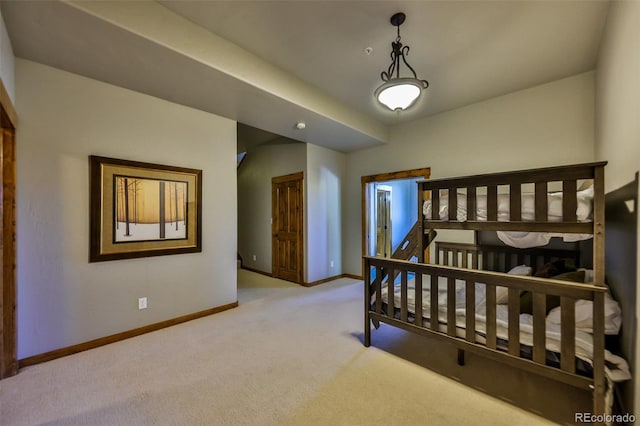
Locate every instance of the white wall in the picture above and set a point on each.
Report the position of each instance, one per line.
(618, 94)
(323, 227)
(64, 300)
(6, 61)
(617, 109)
(547, 125)
(263, 163)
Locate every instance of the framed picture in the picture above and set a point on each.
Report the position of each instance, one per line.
(142, 209)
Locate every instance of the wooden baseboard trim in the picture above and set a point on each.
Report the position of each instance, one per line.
(315, 283)
(256, 271)
(311, 284)
(59, 353)
(335, 277)
(355, 277)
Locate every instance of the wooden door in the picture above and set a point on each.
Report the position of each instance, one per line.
(383, 221)
(287, 229)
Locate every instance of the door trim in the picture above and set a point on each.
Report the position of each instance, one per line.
(8, 330)
(424, 173)
(300, 218)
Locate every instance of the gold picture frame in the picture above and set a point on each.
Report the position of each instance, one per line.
(126, 217)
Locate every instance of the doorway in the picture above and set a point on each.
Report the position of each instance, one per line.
(382, 225)
(287, 200)
(375, 190)
(8, 331)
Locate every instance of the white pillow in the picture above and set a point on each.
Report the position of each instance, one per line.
(502, 293)
(521, 270)
(584, 315)
(588, 275)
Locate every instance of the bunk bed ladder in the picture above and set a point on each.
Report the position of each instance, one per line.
(410, 246)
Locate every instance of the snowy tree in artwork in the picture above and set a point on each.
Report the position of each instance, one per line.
(150, 209)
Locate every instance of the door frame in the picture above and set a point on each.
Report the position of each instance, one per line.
(424, 173)
(299, 218)
(8, 330)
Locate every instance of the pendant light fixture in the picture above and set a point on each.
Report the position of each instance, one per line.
(399, 93)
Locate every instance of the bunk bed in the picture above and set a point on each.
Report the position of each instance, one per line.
(467, 298)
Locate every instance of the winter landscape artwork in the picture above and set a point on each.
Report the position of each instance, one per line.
(141, 209)
(148, 209)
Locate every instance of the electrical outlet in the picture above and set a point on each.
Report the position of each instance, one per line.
(142, 303)
(331, 264)
(254, 257)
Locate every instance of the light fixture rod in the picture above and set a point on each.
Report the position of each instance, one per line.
(396, 92)
(399, 51)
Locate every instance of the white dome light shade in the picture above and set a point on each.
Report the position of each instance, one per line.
(399, 93)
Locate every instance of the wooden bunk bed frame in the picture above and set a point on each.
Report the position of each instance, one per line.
(472, 264)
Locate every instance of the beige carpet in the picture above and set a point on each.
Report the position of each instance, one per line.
(286, 355)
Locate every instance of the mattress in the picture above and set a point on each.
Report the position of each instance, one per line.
(519, 239)
(616, 368)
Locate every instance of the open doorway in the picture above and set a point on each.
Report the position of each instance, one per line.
(266, 156)
(389, 210)
(8, 330)
(381, 223)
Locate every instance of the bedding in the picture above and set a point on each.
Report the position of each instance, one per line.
(616, 368)
(584, 315)
(554, 214)
(502, 293)
(526, 297)
(519, 239)
(583, 308)
(537, 239)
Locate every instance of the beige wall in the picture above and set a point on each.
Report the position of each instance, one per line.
(618, 94)
(547, 125)
(62, 298)
(325, 176)
(618, 109)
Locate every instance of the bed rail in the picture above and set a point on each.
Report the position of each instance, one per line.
(377, 271)
(498, 258)
(512, 183)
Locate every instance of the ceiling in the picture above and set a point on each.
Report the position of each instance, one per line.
(469, 51)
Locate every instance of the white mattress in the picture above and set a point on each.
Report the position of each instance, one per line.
(519, 239)
(617, 368)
